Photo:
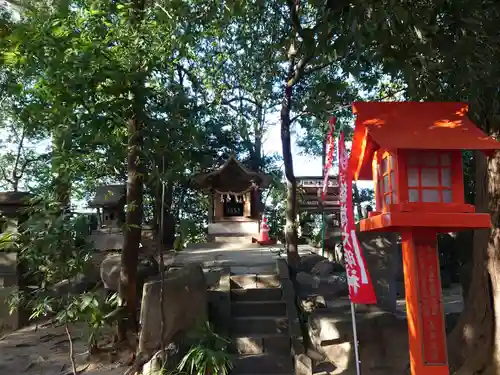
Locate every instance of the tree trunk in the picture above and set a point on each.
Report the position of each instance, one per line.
(133, 220)
(168, 218)
(257, 207)
(291, 183)
(472, 341)
(357, 201)
(61, 144)
(132, 235)
(494, 255)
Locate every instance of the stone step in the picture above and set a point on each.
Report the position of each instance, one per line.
(263, 364)
(255, 281)
(261, 294)
(265, 268)
(259, 325)
(259, 344)
(258, 308)
(234, 237)
(323, 367)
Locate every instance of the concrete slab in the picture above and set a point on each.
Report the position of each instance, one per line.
(242, 258)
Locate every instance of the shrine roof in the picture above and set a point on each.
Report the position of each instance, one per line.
(109, 196)
(412, 126)
(232, 172)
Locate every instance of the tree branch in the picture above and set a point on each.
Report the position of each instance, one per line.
(319, 67)
(299, 69)
(4, 173)
(24, 165)
(18, 156)
(295, 118)
(242, 98)
(294, 15)
(326, 64)
(71, 350)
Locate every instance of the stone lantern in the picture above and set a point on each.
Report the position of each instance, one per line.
(13, 211)
(13, 207)
(110, 201)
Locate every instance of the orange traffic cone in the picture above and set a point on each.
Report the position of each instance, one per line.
(264, 233)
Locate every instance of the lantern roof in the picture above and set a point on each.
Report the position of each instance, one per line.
(412, 126)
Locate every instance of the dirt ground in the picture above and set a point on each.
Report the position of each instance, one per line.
(45, 351)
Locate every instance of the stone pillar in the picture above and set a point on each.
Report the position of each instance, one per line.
(381, 253)
(12, 213)
(9, 280)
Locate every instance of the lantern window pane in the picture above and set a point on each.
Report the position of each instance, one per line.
(447, 196)
(430, 195)
(430, 159)
(413, 195)
(384, 165)
(388, 199)
(391, 161)
(445, 159)
(430, 177)
(393, 181)
(394, 197)
(386, 184)
(412, 177)
(446, 177)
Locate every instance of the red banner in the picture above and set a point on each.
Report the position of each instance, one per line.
(360, 286)
(330, 149)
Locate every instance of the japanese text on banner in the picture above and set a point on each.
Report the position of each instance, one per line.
(360, 285)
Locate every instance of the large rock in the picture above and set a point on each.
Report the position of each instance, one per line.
(110, 271)
(311, 303)
(325, 268)
(383, 340)
(162, 360)
(330, 286)
(307, 262)
(77, 285)
(184, 306)
(307, 283)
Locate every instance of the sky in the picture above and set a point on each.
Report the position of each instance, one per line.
(303, 165)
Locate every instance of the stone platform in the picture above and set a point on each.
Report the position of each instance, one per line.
(239, 257)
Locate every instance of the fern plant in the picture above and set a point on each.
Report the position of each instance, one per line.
(210, 356)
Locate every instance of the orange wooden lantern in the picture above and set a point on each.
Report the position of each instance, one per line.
(412, 151)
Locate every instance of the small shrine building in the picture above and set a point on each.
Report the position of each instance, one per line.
(235, 206)
(109, 201)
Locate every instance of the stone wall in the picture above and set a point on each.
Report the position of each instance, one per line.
(185, 304)
(381, 254)
(384, 261)
(382, 337)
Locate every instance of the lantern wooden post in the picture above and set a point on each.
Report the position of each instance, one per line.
(424, 308)
(412, 152)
